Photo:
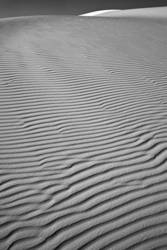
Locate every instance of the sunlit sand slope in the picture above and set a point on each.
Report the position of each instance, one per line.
(158, 12)
(99, 13)
(83, 133)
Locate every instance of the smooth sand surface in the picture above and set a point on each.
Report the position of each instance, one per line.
(99, 13)
(158, 12)
(83, 133)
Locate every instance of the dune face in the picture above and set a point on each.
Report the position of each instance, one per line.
(99, 13)
(154, 12)
(83, 133)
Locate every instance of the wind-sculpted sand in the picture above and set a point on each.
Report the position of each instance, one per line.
(83, 133)
(158, 12)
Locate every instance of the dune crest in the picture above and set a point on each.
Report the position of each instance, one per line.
(83, 133)
(99, 13)
(154, 12)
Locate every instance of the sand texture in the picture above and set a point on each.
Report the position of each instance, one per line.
(83, 133)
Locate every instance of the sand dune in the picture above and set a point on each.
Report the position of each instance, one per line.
(154, 12)
(99, 13)
(83, 133)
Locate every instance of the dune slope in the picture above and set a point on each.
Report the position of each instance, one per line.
(154, 12)
(83, 133)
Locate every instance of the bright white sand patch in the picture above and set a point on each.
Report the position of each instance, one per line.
(96, 13)
(159, 12)
(83, 133)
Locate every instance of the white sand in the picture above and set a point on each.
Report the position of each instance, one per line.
(83, 133)
(99, 13)
(158, 12)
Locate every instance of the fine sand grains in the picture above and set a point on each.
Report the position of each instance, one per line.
(83, 133)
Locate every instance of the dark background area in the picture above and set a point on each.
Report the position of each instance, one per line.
(70, 7)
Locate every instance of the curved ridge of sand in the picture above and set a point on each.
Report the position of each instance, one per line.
(83, 134)
(153, 12)
(99, 13)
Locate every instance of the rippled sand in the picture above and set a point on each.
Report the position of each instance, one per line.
(83, 133)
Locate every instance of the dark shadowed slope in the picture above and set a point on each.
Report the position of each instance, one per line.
(83, 133)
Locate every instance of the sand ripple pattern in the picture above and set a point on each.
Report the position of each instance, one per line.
(83, 133)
